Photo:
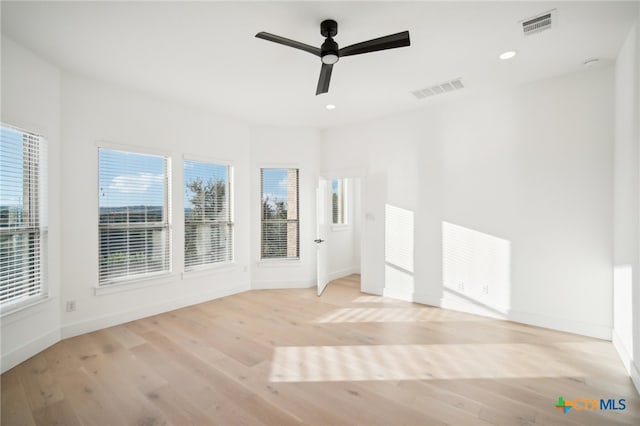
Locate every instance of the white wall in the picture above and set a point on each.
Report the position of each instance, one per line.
(31, 101)
(626, 324)
(516, 184)
(287, 148)
(96, 113)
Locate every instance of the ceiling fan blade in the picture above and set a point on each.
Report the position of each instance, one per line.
(288, 42)
(382, 43)
(325, 78)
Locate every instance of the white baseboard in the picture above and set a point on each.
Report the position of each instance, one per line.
(376, 291)
(599, 331)
(343, 273)
(622, 351)
(26, 351)
(635, 376)
(399, 294)
(93, 324)
(281, 284)
(625, 357)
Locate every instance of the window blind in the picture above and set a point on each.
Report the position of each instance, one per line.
(338, 201)
(280, 230)
(134, 224)
(208, 225)
(23, 217)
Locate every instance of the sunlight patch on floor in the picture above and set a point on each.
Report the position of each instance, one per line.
(420, 362)
(373, 299)
(421, 314)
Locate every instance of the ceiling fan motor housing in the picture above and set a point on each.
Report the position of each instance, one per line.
(329, 49)
(329, 28)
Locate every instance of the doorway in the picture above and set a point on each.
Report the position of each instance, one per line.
(340, 219)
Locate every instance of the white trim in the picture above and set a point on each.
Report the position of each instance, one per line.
(203, 158)
(599, 331)
(635, 376)
(376, 291)
(135, 149)
(284, 262)
(281, 284)
(342, 273)
(622, 351)
(340, 227)
(455, 304)
(209, 269)
(277, 166)
(8, 311)
(109, 320)
(348, 173)
(135, 283)
(29, 349)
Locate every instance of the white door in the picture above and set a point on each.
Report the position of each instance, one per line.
(322, 213)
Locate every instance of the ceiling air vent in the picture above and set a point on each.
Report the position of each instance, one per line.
(538, 23)
(439, 89)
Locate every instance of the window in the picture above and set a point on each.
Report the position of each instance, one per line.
(338, 201)
(280, 233)
(23, 218)
(134, 215)
(208, 226)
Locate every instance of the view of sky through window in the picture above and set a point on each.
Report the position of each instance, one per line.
(11, 186)
(274, 185)
(119, 187)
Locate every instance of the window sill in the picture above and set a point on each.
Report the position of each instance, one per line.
(209, 270)
(17, 312)
(279, 263)
(340, 228)
(134, 284)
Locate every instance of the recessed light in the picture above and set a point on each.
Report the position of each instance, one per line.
(508, 54)
(330, 106)
(591, 62)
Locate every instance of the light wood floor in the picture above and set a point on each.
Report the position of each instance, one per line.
(283, 357)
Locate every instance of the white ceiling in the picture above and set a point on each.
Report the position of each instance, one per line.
(205, 53)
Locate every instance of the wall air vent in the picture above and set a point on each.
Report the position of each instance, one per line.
(438, 89)
(541, 22)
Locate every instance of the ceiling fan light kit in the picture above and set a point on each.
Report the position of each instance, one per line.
(330, 53)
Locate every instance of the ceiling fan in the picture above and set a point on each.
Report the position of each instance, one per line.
(330, 53)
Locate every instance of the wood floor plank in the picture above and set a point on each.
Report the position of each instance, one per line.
(15, 408)
(288, 357)
(59, 413)
(38, 384)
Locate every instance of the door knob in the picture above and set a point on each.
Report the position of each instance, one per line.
(318, 241)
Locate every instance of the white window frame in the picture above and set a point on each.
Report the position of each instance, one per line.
(137, 280)
(37, 226)
(230, 176)
(289, 260)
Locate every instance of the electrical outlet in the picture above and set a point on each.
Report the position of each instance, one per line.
(485, 289)
(461, 286)
(71, 305)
